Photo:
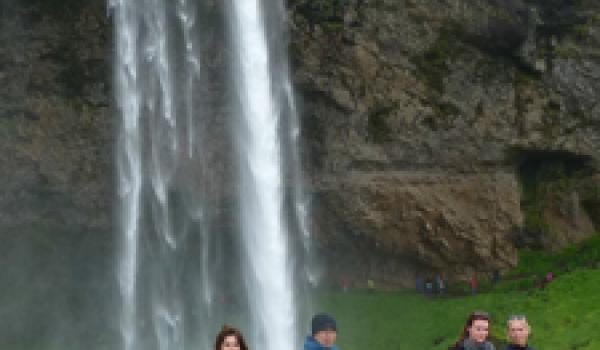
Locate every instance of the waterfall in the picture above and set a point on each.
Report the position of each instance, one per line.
(213, 216)
(264, 231)
(129, 166)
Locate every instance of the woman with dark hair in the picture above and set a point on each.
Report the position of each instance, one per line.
(475, 333)
(230, 338)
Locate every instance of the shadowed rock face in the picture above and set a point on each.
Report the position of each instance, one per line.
(56, 156)
(410, 112)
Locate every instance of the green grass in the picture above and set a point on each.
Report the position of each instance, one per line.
(537, 263)
(565, 315)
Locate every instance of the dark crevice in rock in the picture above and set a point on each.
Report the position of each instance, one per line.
(552, 185)
(377, 129)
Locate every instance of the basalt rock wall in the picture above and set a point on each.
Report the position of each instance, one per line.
(420, 117)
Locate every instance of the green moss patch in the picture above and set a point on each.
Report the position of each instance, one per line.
(545, 178)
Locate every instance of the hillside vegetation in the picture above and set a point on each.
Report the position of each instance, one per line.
(563, 315)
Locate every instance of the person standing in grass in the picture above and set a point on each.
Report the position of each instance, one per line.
(518, 331)
(473, 285)
(495, 276)
(428, 286)
(323, 333)
(344, 283)
(474, 334)
(547, 279)
(440, 284)
(370, 285)
(419, 284)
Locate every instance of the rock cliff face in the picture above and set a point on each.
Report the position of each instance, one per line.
(56, 155)
(429, 127)
(421, 116)
(55, 116)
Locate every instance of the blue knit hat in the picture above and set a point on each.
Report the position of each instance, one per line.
(322, 322)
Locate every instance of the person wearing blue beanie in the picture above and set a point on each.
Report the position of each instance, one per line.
(323, 333)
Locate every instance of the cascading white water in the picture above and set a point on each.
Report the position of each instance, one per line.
(175, 258)
(145, 97)
(129, 165)
(264, 231)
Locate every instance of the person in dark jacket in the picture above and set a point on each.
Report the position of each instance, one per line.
(474, 334)
(518, 331)
(323, 333)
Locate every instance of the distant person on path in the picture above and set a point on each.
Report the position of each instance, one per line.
(473, 285)
(370, 285)
(323, 333)
(518, 331)
(230, 338)
(547, 279)
(428, 286)
(474, 334)
(495, 276)
(344, 284)
(419, 284)
(440, 285)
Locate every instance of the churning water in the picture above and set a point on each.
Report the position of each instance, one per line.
(212, 212)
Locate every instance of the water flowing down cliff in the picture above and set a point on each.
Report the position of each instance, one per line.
(180, 274)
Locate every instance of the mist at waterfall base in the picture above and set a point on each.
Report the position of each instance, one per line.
(57, 289)
(212, 214)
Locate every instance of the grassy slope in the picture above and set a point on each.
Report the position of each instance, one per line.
(564, 316)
